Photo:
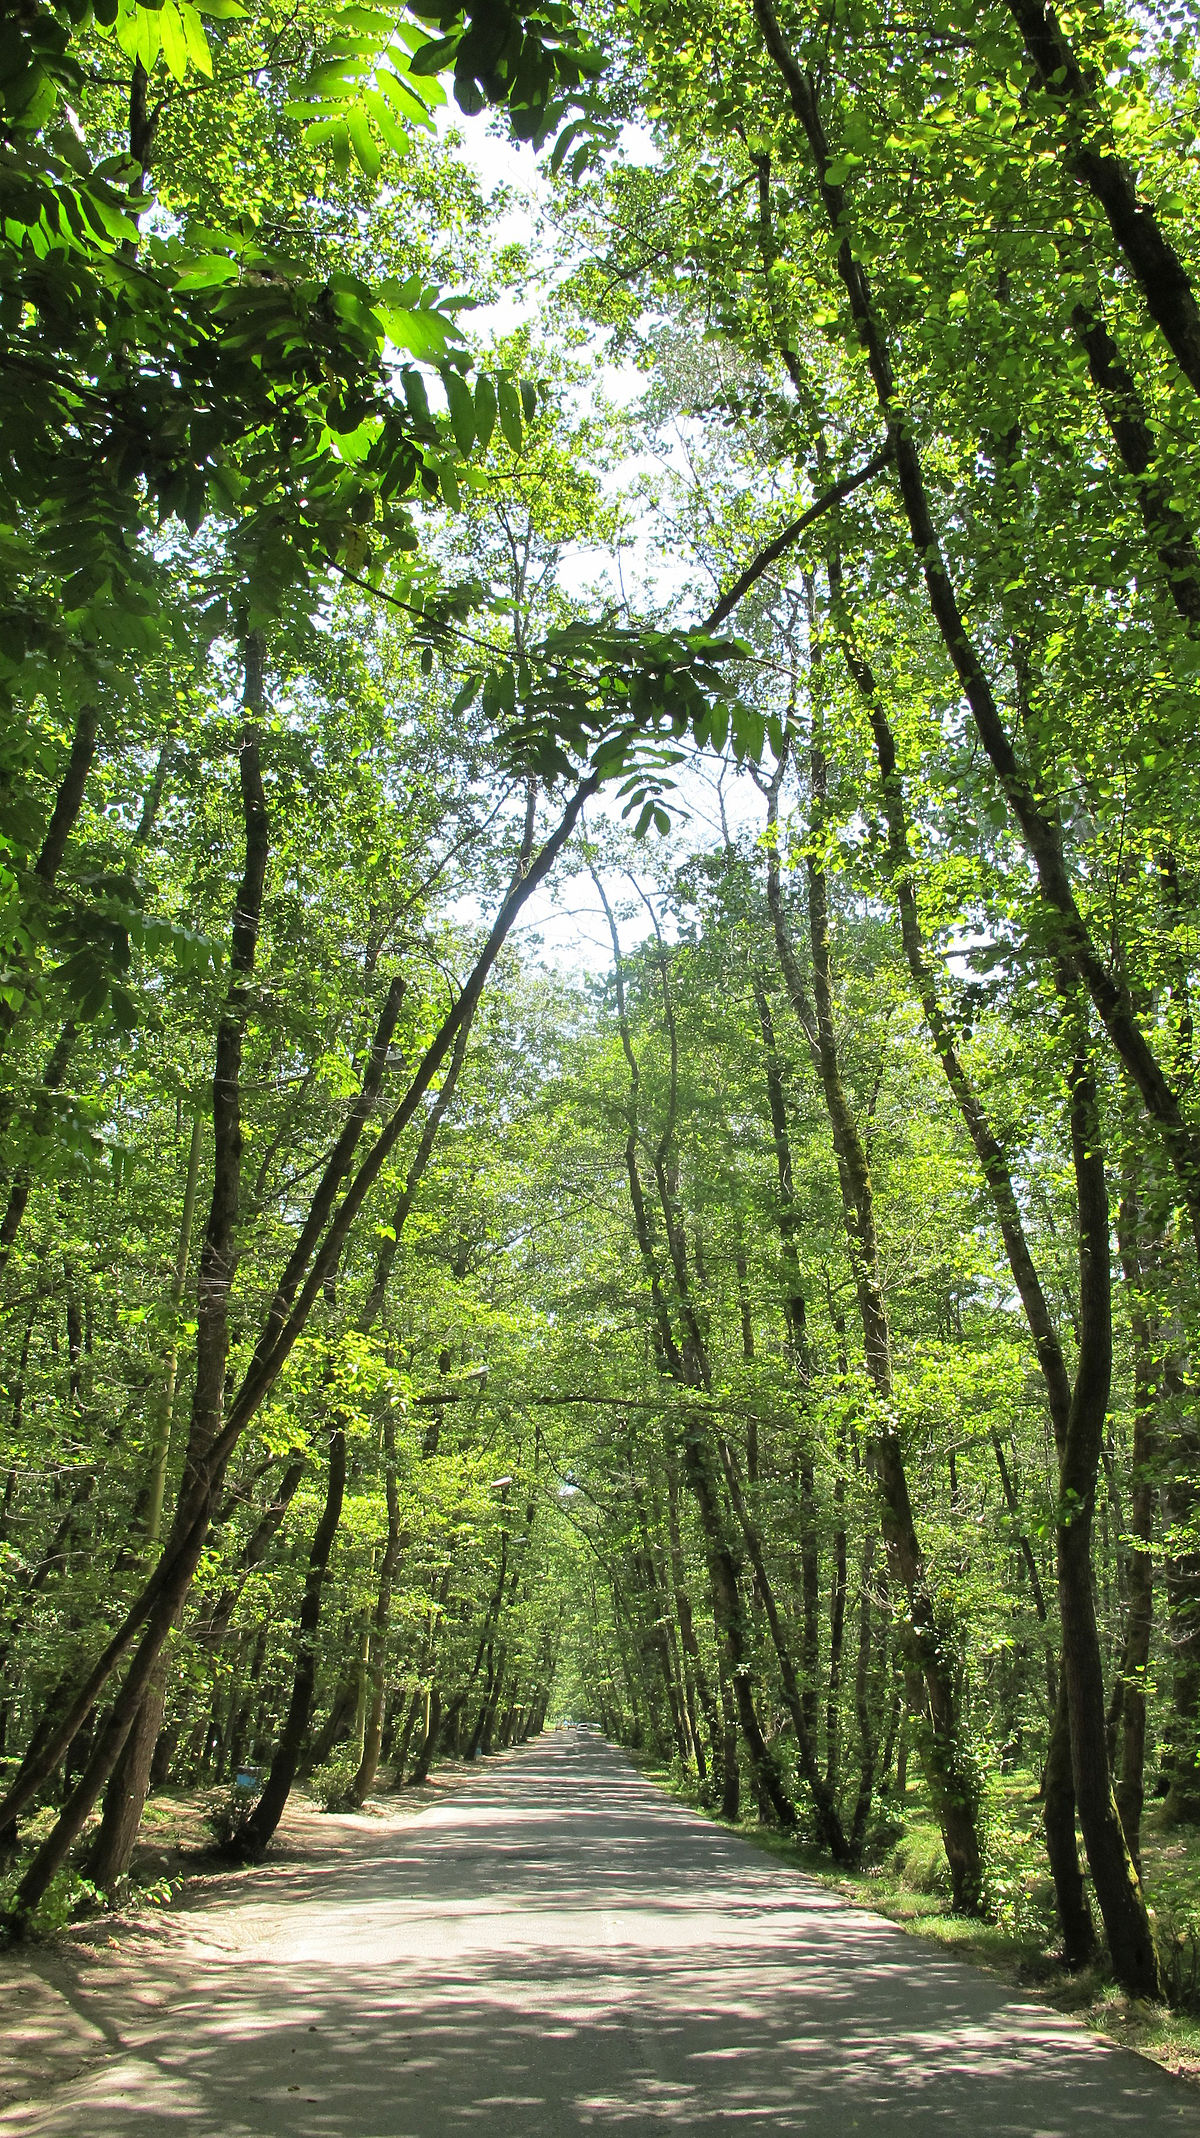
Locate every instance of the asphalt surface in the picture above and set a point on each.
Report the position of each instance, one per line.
(561, 1948)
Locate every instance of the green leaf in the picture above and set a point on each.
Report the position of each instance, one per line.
(174, 42)
(462, 410)
(485, 410)
(363, 143)
(423, 334)
(415, 394)
(435, 58)
(211, 269)
(563, 143)
(405, 101)
(333, 134)
(137, 34)
(197, 42)
(510, 413)
(390, 131)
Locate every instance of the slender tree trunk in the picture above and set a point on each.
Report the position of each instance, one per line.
(953, 1780)
(424, 1758)
(837, 1630)
(730, 1622)
(1059, 1808)
(263, 1820)
(1062, 1848)
(1118, 1889)
(731, 1777)
(1182, 1584)
(40, 1123)
(125, 1797)
(686, 1365)
(696, 1682)
(862, 1703)
(1149, 1372)
(796, 1318)
(400, 1757)
(165, 1404)
(67, 804)
(1149, 253)
(828, 1822)
(1125, 414)
(368, 1766)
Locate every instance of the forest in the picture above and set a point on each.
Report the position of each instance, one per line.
(600, 850)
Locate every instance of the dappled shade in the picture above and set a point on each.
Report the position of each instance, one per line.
(562, 1948)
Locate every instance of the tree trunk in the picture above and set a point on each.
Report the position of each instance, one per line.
(110, 1856)
(686, 1364)
(731, 1777)
(1118, 1889)
(727, 1611)
(1182, 1583)
(1032, 807)
(129, 1785)
(829, 1824)
(1152, 259)
(1062, 1849)
(424, 1758)
(950, 1771)
(696, 1685)
(263, 1820)
(368, 1766)
(837, 1628)
(1064, 1860)
(862, 1705)
(1150, 1371)
(67, 804)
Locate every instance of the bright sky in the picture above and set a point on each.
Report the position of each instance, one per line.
(565, 924)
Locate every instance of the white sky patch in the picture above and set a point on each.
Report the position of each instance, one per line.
(564, 924)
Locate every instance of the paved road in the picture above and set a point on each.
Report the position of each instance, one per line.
(560, 1948)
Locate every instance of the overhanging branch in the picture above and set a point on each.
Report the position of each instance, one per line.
(791, 534)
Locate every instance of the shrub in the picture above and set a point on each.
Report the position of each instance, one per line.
(331, 1784)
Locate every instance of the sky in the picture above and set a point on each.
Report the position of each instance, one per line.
(564, 925)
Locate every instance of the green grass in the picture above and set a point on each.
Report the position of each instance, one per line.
(907, 1883)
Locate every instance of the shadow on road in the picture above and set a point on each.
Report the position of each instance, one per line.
(561, 1948)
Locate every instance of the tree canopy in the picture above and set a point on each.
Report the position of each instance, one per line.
(766, 1323)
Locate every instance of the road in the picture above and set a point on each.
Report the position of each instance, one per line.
(559, 1948)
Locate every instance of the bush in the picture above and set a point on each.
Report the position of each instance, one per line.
(918, 1860)
(227, 1818)
(1179, 1950)
(331, 1784)
(882, 1836)
(67, 1897)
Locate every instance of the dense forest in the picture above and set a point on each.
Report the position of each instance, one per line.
(600, 851)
